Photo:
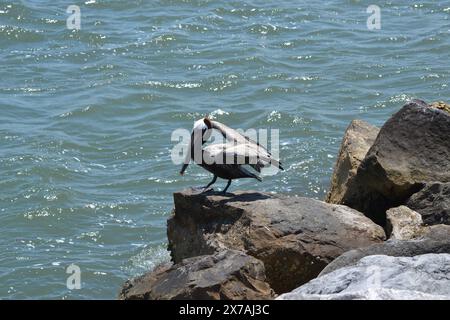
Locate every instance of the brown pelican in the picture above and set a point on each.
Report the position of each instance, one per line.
(216, 157)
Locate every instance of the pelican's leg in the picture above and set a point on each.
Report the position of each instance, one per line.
(226, 188)
(209, 184)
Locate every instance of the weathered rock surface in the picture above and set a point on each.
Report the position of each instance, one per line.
(404, 223)
(358, 139)
(230, 275)
(412, 148)
(432, 202)
(382, 277)
(295, 237)
(437, 232)
(437, 240)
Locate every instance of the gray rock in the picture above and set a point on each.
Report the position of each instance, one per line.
(435, 241)
(438, 232)
(382, 277)
(412, 148)
(295, 237)
(404, 223)
(358, 138)
(432, 202)
(229, 275)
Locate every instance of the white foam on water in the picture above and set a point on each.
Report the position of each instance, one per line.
(147, 259)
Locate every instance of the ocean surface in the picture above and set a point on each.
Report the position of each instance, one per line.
(86, 116)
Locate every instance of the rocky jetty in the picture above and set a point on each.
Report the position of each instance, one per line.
(385, 217)
(295, 234)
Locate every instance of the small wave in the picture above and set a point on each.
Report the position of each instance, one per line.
(265, 29)
(18, 34)
(431, 76)
(278, 89)
(75, 112)
(164, 39)
(218, 112)
(147, 259)
(173, 85)
(273, 116)
(400, 98)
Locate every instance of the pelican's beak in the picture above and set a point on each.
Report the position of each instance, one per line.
(183, 168)
(188, 154)
(195, 149)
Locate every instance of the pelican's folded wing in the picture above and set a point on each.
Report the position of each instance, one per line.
(234, 136)
(238, 138)
(240, 154)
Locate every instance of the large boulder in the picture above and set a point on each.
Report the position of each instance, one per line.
(404, 223)
(381, 277)
(412, 148)
(358, 138)
(228, 275)
(432, 202)
(436, 240)
(295, 237)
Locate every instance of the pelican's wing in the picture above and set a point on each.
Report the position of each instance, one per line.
(215, 149)
(230, 153)
(246, 151)
(233, 135)
(240, 139)
(251, 156)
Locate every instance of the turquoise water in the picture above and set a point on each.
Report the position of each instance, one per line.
(86, 116)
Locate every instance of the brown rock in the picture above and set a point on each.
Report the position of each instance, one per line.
(226, 275)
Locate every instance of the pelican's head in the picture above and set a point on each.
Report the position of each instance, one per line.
(200, 134)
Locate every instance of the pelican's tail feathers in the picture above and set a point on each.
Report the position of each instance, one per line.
(250, 174)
